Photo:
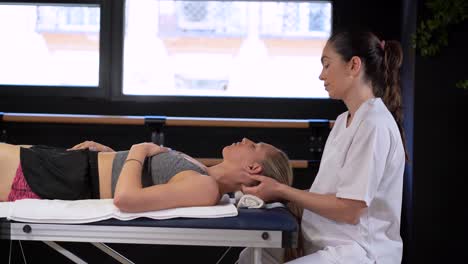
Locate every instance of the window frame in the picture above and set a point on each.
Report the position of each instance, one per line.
(110, 88)
(117, 82)
(99, 91)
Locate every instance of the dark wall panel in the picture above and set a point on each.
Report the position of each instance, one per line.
(440, 146)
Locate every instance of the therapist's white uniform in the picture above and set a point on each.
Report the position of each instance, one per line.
(365, 162)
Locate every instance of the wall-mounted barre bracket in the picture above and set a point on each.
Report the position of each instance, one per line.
(316, 139)
(156, 124)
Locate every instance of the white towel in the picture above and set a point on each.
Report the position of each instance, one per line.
(5, 209)
(87, 211)
(251, 201)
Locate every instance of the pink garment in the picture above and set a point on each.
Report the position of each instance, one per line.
(20, 188)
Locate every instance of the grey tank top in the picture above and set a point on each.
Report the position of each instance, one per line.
(158, 169)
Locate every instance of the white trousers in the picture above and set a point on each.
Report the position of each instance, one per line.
(346, 254)
(269, 256)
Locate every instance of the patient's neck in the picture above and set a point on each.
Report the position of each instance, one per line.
(225, 175)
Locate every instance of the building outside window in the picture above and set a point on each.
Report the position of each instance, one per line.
(49, 45)
(225, 48)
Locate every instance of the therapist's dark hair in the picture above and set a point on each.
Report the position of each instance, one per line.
(382, 61)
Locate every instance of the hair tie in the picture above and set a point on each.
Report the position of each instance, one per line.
(382, 44)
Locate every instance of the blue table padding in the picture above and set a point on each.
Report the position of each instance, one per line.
(278, 219)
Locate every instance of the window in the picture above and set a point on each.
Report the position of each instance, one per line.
(49, 44)
(67, 19)
(289, 19)
(225, 48)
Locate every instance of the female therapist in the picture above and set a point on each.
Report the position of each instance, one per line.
(352, 211)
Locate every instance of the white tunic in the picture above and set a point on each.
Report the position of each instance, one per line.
(365, 162)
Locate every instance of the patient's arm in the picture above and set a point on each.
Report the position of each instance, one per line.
(187, 188)
(91, 145)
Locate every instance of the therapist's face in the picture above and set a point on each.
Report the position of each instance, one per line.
(335, 74)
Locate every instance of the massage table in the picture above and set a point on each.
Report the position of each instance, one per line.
(257, 228)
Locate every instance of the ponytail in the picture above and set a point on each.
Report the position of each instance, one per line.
(392, 60)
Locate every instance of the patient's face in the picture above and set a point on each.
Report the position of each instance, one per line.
(246, 152)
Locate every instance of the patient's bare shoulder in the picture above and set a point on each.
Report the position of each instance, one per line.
(202, 187)
(189, 175)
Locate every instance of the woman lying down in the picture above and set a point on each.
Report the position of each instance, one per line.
(147, 177)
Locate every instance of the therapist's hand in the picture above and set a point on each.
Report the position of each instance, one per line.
(267, 188)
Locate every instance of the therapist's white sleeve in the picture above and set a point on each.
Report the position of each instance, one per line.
(364, 163)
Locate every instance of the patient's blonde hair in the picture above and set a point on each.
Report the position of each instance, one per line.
(276, 165)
